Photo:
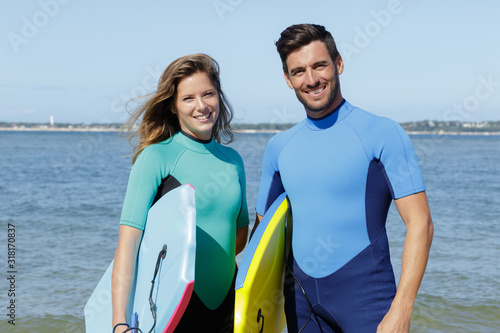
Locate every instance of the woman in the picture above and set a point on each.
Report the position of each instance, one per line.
(179, 137)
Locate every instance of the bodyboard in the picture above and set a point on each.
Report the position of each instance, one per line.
(259, 303)
(171, 221)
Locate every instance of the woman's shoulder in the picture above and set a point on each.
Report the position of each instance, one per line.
(159, 150)
(229, 152)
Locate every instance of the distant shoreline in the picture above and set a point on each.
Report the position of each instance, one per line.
(455, 133)
(424, 127)
(58, 129)
(92, 129)
(245, 131)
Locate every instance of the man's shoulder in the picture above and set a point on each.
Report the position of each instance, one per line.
(369, 121)
(377, 131)
(282, 138)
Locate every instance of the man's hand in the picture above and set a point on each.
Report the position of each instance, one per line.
(396, 321)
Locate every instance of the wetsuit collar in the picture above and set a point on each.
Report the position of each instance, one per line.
(195, 138)
(330, 119)
(193, 143)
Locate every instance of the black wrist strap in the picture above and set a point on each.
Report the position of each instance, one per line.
(120, 324)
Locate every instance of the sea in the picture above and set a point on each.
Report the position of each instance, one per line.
(61, 196)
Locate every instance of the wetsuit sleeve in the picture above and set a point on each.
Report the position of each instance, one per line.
(270, 181)
(142, 186)
(400, 163)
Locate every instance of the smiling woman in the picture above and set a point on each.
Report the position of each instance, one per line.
(197, 105)
(180, 130)
(157, 117)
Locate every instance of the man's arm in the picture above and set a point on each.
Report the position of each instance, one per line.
(414, 211)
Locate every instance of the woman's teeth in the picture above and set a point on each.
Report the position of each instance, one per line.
(202, 116)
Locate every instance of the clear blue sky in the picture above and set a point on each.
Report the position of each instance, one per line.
(81, 60)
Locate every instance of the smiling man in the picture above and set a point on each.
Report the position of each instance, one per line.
(315, 78)
(341, 167)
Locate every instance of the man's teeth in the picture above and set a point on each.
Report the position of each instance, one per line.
(317, 91)
(203, 116)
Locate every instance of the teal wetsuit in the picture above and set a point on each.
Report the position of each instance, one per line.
(217, 174)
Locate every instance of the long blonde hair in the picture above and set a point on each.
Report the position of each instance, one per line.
(158, 122)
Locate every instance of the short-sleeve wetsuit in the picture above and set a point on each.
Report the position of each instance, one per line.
(217, 174)
(340, 173)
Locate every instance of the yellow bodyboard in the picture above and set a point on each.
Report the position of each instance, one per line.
(259, 304)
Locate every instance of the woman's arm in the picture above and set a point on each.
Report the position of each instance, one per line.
(124, 272)
(241, 238)
(258, 218)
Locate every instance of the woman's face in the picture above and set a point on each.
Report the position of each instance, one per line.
(197, 105)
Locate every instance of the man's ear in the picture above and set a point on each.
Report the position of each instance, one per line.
(287, 79)
(340, 64)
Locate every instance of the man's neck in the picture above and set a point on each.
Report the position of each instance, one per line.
(317, 115)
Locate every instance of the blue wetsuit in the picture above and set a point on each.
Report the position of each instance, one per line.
(340, 173)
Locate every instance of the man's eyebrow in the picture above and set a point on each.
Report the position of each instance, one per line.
(318, 63)
(296, 69)
(321, 63)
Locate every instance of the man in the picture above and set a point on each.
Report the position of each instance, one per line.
(341, 167)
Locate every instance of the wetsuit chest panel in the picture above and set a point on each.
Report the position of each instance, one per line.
(334, 164)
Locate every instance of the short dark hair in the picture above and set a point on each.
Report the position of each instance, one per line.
(298, 35)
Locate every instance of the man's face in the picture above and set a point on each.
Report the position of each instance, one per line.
(315, 78)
